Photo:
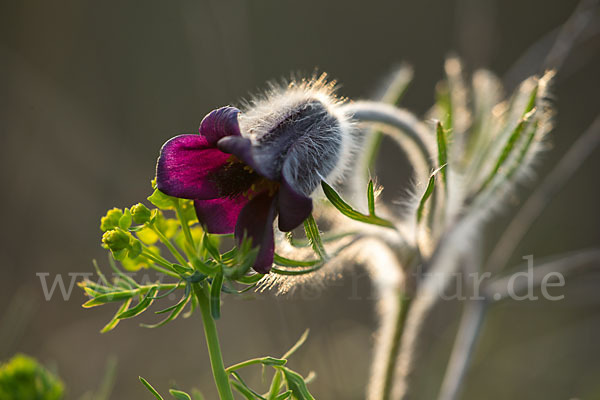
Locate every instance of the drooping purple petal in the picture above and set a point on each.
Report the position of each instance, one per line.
(256, 222)
(184, 167)
(219, 215)
(241, 147)
(293, 207)
(220, 123)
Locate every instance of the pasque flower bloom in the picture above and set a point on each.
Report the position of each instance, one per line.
(243, 174)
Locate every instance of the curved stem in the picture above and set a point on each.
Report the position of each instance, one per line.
(410, 133)
(212, 342)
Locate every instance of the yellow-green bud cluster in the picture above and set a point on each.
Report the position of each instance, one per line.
(111, 219)
(141, 214)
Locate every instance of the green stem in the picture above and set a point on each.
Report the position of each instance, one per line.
(169, 245)
(185, 227)
(212, 342)
(161, 262)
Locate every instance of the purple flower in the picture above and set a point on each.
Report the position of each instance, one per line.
(241, 181)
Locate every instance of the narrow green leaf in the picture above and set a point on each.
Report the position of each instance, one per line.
(508, 147)
(210, 247)
(266, 361)
(314, 237)
(179, 395)
(141, 306)
(349, 212)
(243, 390)
(175, 311)
(371, 198)
(297, 345)
(524, 150)
(120, 274)
(100, 274)
(427, 194)
(174, 306)
(247, 388)
(288, 262)
(114, 321)
(150, 388)
(296, 272)
(284, 396)
(442, 143)
(249, 279)
(215, 294)
(296, 384)
(110, 297)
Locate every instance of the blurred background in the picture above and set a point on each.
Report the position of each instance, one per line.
(91, 90)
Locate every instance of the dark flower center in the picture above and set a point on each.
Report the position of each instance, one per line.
(234, 178)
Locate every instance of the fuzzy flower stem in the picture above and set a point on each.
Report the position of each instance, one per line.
(466, 338)
(212, 342)
(395, 91)
(410, 131)
(390, 368)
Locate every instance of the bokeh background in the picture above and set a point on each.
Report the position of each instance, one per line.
(90, 90)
